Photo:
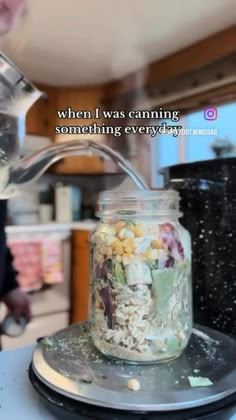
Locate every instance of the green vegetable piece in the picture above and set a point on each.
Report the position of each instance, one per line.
(173, 344)
(163, 283)
(119, 273)
(199, 381)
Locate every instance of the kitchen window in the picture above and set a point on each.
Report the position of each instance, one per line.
(168, 150)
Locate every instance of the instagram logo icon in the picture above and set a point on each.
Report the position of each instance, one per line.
(210, 113)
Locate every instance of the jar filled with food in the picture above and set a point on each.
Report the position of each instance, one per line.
(141, 292)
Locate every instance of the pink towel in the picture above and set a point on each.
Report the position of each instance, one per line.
(37, 261)
(52, 261)
(27, 261)
(10, 12)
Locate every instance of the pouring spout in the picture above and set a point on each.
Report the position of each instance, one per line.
(32, 167)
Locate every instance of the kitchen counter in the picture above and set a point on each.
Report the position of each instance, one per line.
(50, 227)
(18, 399)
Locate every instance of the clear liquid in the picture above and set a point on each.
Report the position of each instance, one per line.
(120, 161)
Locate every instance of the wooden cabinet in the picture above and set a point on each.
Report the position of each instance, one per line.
(38, 121)
(43, 117)
(37, 118)
(80, 275)
(77, 99)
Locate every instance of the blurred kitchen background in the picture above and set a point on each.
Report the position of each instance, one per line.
(113, 55)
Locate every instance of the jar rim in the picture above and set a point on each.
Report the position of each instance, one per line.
(135, 195)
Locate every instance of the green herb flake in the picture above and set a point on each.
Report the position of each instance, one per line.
(196, 381)
(141, 372)
(86, 381)
(48, 344)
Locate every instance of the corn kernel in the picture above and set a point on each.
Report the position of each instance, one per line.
(128, 242)
(133, 384)
(157, 243)
(118, 250)
(129, 249)
(115, 243)
(138, 231)
(119, 225)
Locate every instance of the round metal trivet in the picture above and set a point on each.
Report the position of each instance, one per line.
(70, 365)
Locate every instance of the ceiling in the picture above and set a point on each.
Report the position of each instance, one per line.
(79, 42)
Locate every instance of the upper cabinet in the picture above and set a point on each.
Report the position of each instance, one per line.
(83, 101)
(77, 100)
(43, 118)
(37, 118)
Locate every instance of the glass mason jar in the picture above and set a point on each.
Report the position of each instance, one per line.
(141, 290)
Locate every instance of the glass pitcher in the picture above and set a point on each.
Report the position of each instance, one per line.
(141, 293)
